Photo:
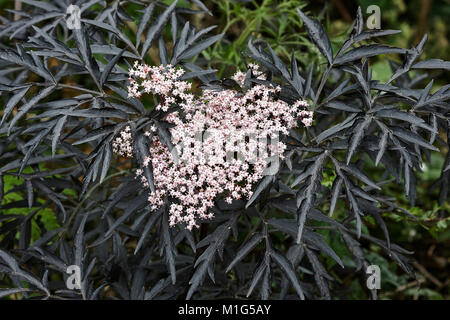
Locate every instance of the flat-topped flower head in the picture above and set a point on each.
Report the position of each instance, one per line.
(225, 141)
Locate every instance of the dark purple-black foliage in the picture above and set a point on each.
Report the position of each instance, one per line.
(65, 98)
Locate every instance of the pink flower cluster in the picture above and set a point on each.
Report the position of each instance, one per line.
(162, 81)
(123, 145)
(225, 141)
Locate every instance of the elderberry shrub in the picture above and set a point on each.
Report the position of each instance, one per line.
(99, 139)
